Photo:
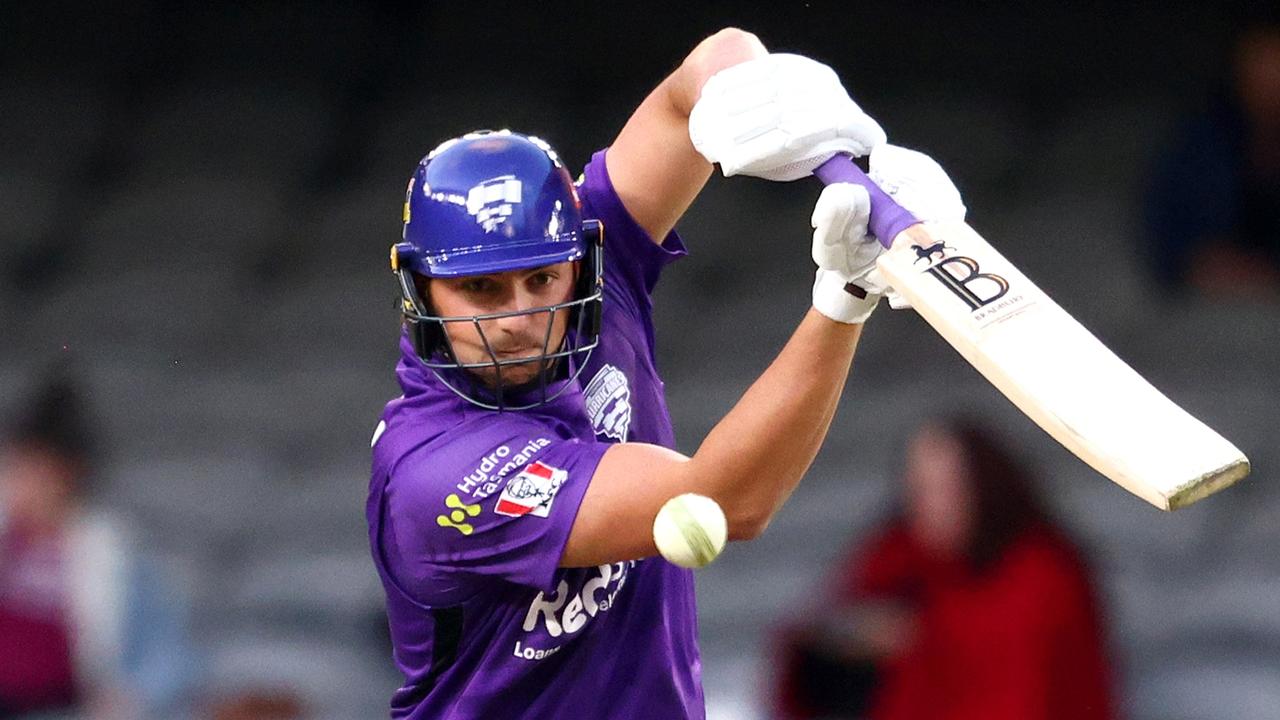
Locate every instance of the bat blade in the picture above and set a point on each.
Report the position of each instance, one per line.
(1054, 370)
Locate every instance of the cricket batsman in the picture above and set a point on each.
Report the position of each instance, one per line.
(515, 482)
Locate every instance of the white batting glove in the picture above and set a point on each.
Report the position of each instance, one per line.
(917, 182)
(778, 117)
(844, 254)
(920, 185)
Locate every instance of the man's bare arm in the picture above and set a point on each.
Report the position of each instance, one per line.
(654, 168)
(749, 463)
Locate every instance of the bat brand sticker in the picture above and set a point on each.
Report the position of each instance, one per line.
(531, 492)
(962, 276)
(926, 253)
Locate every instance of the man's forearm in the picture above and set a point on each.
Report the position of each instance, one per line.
(653, 165)
(724, 49)
(753, 458)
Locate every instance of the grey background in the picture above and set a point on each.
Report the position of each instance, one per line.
(196, 201)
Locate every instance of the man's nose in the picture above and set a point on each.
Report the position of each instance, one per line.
(520, 301)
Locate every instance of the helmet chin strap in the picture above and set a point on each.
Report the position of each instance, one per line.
(564, 363)
(500, 402)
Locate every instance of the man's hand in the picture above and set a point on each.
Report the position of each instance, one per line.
(778, 117)
(844, 254)
(841, 245)
(917, 182)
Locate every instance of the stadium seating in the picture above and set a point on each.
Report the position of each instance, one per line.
(214, 257)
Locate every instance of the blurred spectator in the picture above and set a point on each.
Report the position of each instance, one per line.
(967, 605)
(85, 629)
(1213, 207)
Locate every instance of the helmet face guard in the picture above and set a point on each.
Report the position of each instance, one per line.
(559, 361)
(487, 203)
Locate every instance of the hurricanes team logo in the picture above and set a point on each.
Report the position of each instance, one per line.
(961, 275)
(493, 201)
(609, 403)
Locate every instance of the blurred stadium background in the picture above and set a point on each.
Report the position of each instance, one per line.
(196, 201)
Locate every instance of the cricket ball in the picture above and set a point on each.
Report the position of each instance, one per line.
(690, 530)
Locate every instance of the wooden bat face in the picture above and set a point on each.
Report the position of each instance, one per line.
(1056, 371)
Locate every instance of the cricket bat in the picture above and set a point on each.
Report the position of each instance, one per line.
(1044, 361)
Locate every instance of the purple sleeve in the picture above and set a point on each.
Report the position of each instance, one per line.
(491, 502)
(632, 260)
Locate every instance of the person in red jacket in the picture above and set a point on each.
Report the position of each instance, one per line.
(968, 604)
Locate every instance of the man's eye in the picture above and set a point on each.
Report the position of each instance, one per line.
(543, 278)
(479, 285)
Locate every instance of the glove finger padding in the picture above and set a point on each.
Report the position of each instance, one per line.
(840, 228)
(844, 254)
(778, 117)
(917, 182)
(841, 244)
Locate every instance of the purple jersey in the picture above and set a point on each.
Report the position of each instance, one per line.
(469, 511)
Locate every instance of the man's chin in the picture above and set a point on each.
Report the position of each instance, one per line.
(512, 376)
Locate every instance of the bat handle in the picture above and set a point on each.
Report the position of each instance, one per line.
(888, 218)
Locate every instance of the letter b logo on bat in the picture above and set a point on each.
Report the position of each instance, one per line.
(962, 277)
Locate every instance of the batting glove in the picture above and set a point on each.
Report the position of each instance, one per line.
(840, 241)
(778, 117)
(845, 254)
(917, 182)
(920, 185)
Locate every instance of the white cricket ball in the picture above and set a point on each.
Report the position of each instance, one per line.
(690, 530)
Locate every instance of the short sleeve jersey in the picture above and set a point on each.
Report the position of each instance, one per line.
(469, 511)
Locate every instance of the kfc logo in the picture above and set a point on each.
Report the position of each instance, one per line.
(531, 492)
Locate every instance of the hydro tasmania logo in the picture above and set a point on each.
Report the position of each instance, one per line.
(962, 276)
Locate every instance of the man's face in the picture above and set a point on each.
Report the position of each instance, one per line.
(510, 338)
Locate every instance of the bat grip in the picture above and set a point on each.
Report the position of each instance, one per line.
(888, 218)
